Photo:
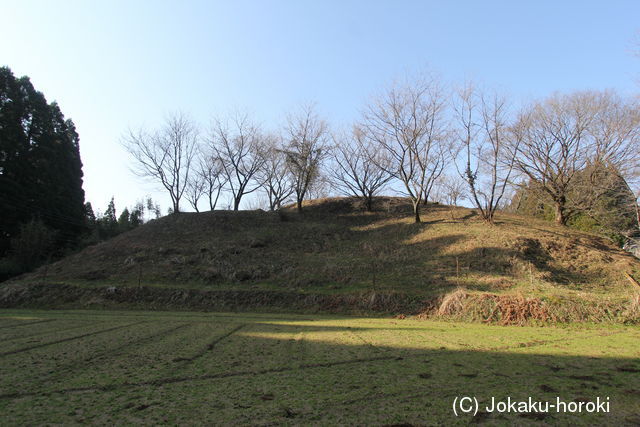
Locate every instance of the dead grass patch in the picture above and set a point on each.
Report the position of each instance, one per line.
(517, 309)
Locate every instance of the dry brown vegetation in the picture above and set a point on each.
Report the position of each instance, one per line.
(338, 257)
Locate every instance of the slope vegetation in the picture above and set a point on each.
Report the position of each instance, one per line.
(336, 257)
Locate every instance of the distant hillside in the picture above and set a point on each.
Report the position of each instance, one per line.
(337, 257)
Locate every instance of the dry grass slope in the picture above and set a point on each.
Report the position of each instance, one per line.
(452, 264)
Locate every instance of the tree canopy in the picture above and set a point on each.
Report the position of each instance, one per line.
(40, 166)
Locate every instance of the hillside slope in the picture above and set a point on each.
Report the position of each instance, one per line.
(335, 249)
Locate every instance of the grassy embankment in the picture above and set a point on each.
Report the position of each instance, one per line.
(337, 258)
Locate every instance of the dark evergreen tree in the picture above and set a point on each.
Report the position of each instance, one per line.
(124, 221)
(40, 166)
(90, 215)
(137, 215)
(108, 222)
(110, 214)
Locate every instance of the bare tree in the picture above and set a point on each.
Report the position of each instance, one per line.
(488, 148)
(274, 175)
(166, 155)
(566, 136)
(307, 148)
(438, 192)
(359, 167)
(408, 122)
(236, 143)
(320, 188)
(450, 189)
(453, 189)
(436, 165)
(555, 147)
(211, 173)
(195, 189)
(615, 130)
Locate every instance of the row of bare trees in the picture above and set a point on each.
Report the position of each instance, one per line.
(408, 138)
(236, 156)
(568, 149)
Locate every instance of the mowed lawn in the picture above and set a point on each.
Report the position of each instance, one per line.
(106, 367)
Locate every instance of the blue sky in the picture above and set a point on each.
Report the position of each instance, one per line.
(119, 64)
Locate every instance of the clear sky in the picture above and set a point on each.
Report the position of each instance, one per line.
(118, 64)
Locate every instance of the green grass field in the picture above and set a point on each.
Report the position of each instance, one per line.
(106, 367)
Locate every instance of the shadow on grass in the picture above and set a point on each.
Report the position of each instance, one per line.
(271, 371)
(396, 248)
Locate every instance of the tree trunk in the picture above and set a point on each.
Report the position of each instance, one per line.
(488, 217)
(369, 204)
(561, 218)
(215, 201)
(236, 203)
(416, 211)
(299, 205)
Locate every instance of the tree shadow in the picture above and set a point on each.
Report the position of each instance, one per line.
(442, 260)
(337, 371)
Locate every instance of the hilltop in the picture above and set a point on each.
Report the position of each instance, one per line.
(338, 258)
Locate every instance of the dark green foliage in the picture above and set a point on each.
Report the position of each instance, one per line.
(136, 217)
(90, 215)
(9, 267)
(110, 224)
(599, 201)
(110, 214)
(124, 220)
(40, 167)
(33, 244)
(107, 223)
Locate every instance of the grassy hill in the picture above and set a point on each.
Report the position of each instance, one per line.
(338, 258)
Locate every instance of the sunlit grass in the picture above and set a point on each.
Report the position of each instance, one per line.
(128, 367)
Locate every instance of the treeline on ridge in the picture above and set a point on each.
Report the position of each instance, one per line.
(577, 155)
